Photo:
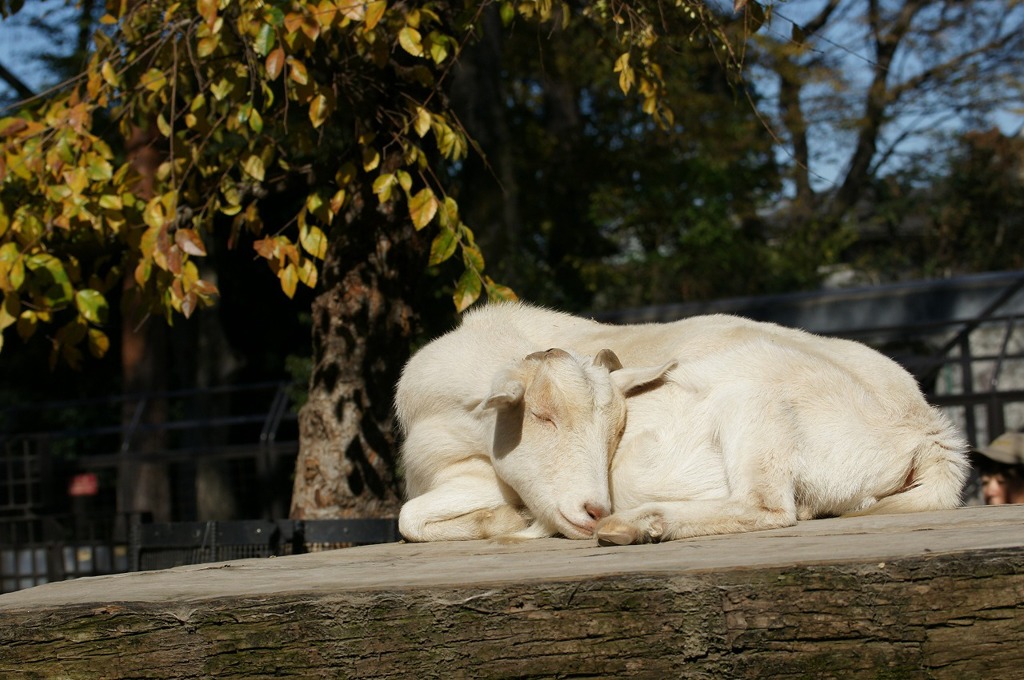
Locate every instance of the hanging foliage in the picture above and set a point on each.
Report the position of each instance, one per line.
(239, 101)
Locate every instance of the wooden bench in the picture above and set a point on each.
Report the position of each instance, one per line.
(901, 596)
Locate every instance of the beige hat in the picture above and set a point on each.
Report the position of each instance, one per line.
(1007, 448)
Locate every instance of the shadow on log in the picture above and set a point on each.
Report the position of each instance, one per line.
(933, 595)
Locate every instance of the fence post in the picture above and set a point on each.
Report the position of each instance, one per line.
(967, 387)
(134, 541)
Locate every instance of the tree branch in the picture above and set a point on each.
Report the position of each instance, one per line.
(16, 83)
(877, 102)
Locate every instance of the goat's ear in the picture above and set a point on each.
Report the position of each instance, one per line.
(627, 379)
(607, 358)
(505, 393)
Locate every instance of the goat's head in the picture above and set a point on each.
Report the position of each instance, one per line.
(559, 417)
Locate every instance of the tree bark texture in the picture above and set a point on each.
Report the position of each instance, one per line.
(940, 595)
(930, 617)
(362, 328)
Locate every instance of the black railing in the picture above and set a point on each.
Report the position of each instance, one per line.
(38, 551)
(251, 429)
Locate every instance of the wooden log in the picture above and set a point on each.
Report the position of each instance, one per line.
(932, 595)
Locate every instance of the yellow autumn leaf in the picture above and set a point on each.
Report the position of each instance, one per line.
(253, 166)
(422, 122)
(382, 186)
(411, 41)
(318, 110)
(314, 241)
(422, 207)
(374, 13)
(154, 80)
(289, 276)
(625, 71)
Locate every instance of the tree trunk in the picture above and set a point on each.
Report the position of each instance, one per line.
(143, 486)
(362, 328)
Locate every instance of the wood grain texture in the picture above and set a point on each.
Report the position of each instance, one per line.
(936, 595)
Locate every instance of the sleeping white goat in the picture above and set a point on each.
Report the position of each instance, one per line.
(732, 425)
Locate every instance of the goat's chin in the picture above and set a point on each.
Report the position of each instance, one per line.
(574, 529)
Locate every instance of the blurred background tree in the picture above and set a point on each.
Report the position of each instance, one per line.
(868, 100)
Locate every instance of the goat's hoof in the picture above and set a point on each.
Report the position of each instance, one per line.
(616, 532)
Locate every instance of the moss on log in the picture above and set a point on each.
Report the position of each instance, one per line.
(932, 595)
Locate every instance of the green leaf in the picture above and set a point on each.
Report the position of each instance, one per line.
(51, 277)
(92, 305)
(99, 170)
(264, 40)
(442, 247)
(508, 13)
(111, 202)
(221, 89)
(297, 71)
(99, 343)
(256, 121)
(472, 258)
(498, 293)
(438, 47)
(467, 291)
(274, 15)
(382, 186)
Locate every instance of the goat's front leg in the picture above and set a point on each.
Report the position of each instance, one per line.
(460, 512)
(666, 521)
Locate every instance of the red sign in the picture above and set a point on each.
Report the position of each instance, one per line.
(84, 484)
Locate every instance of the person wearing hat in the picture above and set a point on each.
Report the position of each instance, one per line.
(1001, 468)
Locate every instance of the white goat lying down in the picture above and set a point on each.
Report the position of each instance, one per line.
(733, 425)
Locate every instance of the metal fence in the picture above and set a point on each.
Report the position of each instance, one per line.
(45, 550)
(39, 550)
(248, 433)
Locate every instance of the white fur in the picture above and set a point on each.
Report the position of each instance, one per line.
(757, 426)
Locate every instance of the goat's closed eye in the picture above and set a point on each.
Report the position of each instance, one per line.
(544, 418)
